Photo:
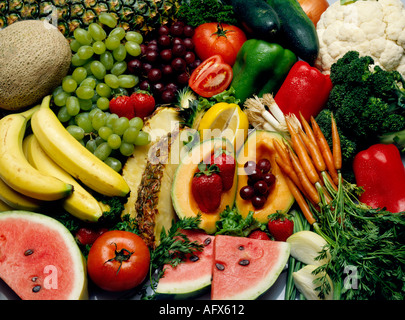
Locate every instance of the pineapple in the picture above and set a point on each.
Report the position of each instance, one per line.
(144, 16)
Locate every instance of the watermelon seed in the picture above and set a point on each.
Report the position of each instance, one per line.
(244, 262)
(28, 252)
(194, 258)
(220, 266)
(36, 289)
(33, 279)
(241, 248)
(207, 241)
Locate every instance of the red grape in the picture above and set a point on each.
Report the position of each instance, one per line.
(168, 96)
(188, 43)
(189, 57)
(179, 64)
(166, 54)
(167, 70)
(246, 192)
(188, 31)
(183, 78)
(269, 178)
(164, 30)
(264, 165)
(177, 28)
(134, 66)
(151, 55)
(260, 187)
(154, 75)
(164, 41)
(258, 201)
(179, 50)
(249, 166)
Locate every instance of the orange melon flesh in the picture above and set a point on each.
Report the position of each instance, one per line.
(259, 145)
(39, 259)
(246, 268)
(182, 197)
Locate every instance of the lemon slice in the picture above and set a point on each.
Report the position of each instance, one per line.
(225, 120)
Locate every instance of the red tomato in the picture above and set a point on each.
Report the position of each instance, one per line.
(118, 260)
(215, 38)
(211, 77)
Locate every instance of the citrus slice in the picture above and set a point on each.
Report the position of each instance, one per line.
(225, 120)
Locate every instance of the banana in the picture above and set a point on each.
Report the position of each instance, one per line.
(5, 207)
(17, 200)
(14, 167)
(80, 203)
(69, 154)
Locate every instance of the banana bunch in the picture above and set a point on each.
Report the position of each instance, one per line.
(48, 165)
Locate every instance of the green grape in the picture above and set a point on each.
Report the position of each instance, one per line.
(99, 47)
(98, 69)
(127, 149)
(111, 119)
(136, 122)
(95, 98)
(97, 32)
(107, 60)
(60, 98)
(120, 125)
(134, 37)
(113, 163)
(85, 104)
(63, 115)
(56, 91)
(76, 61)
(89, 82)
(93, 112)
(98, 120)
(142, 139)
(114, 141)
(121, 91)
(128, 80)
(120, 53)
(103, 89)
(91, 145)
(83, 121)
(107, 19)
(69, 84)
(83, 36)
(74, 45)
(85, 52)
(119, 68)
(73, 106)
(103, 103)
(76, 132)
(112, 81)
(99, 141)
(105, 132)
(133, 48)
(87, 67)
(130, 135)
(85, 92)
(103, 151)
(112, 42)
(79, 74)
(118, 31)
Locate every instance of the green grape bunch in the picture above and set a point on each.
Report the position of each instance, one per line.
(99, 72)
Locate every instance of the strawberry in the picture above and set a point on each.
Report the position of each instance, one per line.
(280, 226)
(121, 106)
(206, 187)
(226, 165)
(143, 103)
(258, 234)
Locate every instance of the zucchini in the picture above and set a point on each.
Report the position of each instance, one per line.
(297, 31)
(257, 17)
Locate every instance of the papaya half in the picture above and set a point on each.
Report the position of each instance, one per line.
(259, 145)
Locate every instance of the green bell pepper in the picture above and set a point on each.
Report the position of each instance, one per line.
(260, 68)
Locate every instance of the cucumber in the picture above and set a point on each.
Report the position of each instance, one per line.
(297, 31)
(257, 17)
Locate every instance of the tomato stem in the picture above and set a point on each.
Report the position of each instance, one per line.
(220, 31)
(120, 256)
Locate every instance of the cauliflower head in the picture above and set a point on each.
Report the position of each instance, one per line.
(373, 28)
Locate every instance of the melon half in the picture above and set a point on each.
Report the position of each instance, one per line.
(39, 258)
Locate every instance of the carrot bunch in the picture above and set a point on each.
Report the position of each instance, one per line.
(310, 167)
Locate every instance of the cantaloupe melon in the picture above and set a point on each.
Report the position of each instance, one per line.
(34, 58)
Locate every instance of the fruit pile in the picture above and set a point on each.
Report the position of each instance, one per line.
(166, 62)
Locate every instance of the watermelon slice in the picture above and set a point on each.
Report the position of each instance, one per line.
(191, 278)
(245, 268)
(39, 258)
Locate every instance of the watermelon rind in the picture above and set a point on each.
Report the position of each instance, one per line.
(184, 291)
(79, 290)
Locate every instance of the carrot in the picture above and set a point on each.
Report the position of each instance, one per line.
(282, 153)
(336, 149)
(306, 211)
(325, 150)
(289, 172)
(307, 129)
(314, 151)
(309, 188)
(303, 155)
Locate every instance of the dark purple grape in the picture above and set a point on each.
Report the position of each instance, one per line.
(171, 86)
(164, 30)
(177, 40)
(255, 175)
(158, 88)
(179, 64)
(135, 66)
(168, 96)
(144, 85)
(151, 55)
(166, 55)
(179, 50)
(154, 75)
(188, 31)
(177, 28)
(249, 166)
(188, 43)
(246, 192)
(144, 48)
(146, 67)
(189, 57)
(258, 201)
(264, 165)
(164, 41)
(183, 78)
(269, 178)
(195, 64)
(167, 70)
(260, 187)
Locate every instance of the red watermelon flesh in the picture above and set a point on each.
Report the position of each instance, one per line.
(39, 258)
(191, 277)
(245, 268)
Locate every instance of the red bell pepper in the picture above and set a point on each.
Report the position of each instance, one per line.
(380, 171)
(304, 90)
